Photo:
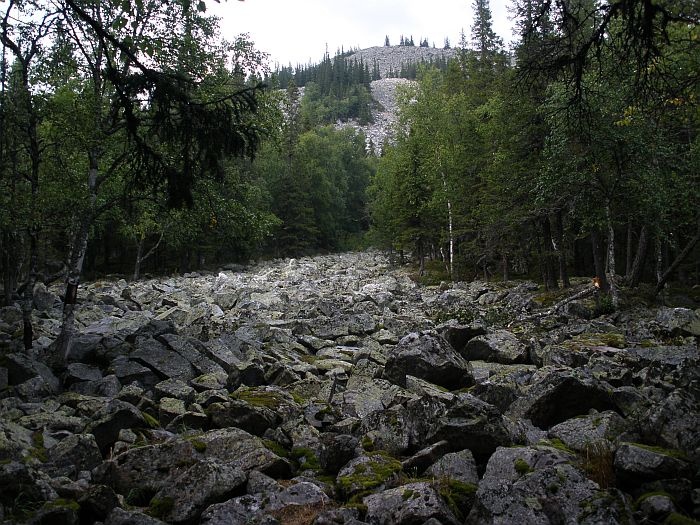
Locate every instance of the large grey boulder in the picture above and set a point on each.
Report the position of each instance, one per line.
(468, 423)
(500, 346)
(164, 361)
(243, 450)
(636, 464)
(243, 415)
(148, 468)
(72, 455)
(428, 356)
(675, 423)
(299, 498)
(531, 485)
(119, 516)
(115, 416)
(455, 465)
(204, 483)
(678, 321)
(559, 395)
(582, 432)
(407, 505)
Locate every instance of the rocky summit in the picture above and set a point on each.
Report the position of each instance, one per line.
(336, 389)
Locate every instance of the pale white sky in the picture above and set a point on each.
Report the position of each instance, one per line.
(297, 31)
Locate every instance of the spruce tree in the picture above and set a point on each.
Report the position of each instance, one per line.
(386, 41)
(484, 40)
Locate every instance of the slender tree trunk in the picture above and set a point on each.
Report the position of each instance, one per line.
(598, 261)
(75, 269)
(450, 231)
(612, 278)
(506, 274)
(139, 254)
(558, 243)
(551, 282)
(659, 255)
(628, 251)
(635, 273)
(9, 266)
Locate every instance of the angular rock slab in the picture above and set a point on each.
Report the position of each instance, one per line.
(527, 485)
(560, 395)
(427, 355)
(408, 504)
(500, 346)
(204, 483)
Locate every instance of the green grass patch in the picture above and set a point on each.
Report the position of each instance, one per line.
(306, 458)
(522, 467)
(160, 507)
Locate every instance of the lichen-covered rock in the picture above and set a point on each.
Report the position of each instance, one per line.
(636, 463)
(455, 465)
(119, 516)
(113, 417)
(675, 321)
(264, 509)
(675, 423)
(528, 485)
(367, 473)
(408, 504)
(164, 361)
(205, 482)
(428, 356)
(468, 423)
(500, 346)
(148, 468)
(560, 395)
(580, 432)
(244, 450)
(72, 455)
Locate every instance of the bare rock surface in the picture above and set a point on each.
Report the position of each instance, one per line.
(335, 389)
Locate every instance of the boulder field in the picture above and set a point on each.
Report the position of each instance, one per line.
(336, 390)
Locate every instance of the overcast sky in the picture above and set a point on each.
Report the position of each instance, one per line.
(297, 31)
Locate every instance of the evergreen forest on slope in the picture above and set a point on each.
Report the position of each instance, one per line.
(134, 138)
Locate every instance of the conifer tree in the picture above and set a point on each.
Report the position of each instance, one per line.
(386, 41)
(484, 40)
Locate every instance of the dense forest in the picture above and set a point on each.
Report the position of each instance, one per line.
(134, 138)
(577, 155)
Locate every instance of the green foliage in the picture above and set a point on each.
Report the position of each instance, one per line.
(160, 507)
(522, 467)
(679, 519)
(458, 495)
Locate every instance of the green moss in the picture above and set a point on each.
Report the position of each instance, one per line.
(306, 458)
(407, 494)
(613, 339)
(276, 448)
(522, 467)
(367, 444)
(558, 444)
(199, 446)
(677, 454)
(679, 519)
(38, 451)
(62, 503)
(150, 420)
(298, 399)
(139, 497)
(258, 398)
(160, 507)
(648, 495)
(458, 495)
(368, 476)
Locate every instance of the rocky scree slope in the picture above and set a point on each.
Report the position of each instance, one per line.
(335, 389)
